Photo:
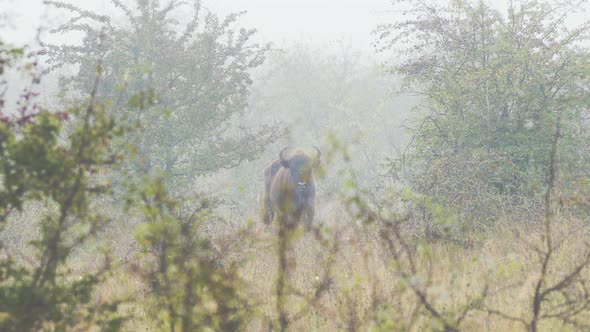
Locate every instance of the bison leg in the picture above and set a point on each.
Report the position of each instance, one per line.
(308, 216)
(268, 213)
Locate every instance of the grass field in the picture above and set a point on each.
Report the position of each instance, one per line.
(351, 281)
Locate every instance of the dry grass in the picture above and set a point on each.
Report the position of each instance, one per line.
(365, 287)
(505, 262)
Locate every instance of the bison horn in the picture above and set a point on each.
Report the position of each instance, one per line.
(284, 161)
(317, 158)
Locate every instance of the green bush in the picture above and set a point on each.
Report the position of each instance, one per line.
(39, 165)
(493, 84)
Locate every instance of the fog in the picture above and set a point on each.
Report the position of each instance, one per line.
(283, 21)
(323, 23)
(348, 165)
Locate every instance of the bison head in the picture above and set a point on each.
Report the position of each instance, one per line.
(300, 166)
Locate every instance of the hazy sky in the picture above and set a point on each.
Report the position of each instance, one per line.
(321, 22)
(317, 21)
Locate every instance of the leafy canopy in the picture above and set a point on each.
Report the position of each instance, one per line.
(197, 74)
(493, 85)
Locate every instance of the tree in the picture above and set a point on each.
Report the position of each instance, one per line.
(58, 173)
(190, 290)
(492, 84)
(42, 167)
(199, 80)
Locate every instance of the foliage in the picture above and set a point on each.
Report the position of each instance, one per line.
(199, 80)
(38, 164)
(492, 85)
(7, 55)
(63, 171)
(565, 297)
(410, 258)
(190, 290)
(373, 270)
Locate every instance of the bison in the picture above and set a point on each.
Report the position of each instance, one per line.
(289, 187)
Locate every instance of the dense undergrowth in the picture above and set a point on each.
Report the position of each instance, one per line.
(132, 203)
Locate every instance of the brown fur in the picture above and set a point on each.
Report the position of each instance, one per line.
(290, 188)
